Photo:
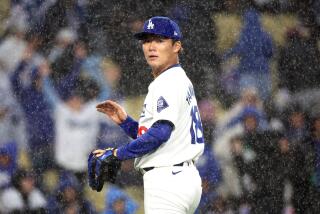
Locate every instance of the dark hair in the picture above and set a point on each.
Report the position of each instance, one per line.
(19, 175)
(64, 64)
(86, 88)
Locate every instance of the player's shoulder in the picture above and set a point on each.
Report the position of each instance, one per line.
(172, 77)
(176, 71)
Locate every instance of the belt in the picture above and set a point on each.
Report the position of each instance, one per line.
(146, 169)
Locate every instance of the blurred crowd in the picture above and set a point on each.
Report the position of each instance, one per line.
(261, 115)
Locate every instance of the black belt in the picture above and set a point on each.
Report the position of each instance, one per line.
(146, 169)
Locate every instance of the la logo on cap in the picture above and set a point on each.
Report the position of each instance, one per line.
(150, 25)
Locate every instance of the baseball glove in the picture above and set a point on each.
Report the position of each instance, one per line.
(102, 169)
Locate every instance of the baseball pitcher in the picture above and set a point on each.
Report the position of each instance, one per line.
(168, 138)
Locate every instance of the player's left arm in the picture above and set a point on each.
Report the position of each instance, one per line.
(130, 127)
(153, 138)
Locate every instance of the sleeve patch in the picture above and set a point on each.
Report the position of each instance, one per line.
(161, 104)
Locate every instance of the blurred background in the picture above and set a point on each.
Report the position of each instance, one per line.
(256, 72)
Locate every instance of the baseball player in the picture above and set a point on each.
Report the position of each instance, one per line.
(168, 138)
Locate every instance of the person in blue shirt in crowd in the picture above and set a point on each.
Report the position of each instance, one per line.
(259, 116)
(255, 49)
(8, 163)
(26, 84)
(119, 202)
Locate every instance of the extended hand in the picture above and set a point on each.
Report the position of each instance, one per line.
(116, 113)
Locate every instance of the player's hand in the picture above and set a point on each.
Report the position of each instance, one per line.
(116, 113)
(99, 152)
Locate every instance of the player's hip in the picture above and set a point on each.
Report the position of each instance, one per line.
(176, 175)
(177, 189)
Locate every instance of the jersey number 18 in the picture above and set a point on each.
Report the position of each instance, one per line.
(196, 130)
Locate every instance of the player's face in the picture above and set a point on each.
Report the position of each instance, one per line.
(160, 53)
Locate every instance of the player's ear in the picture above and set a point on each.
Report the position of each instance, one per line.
(177, 46)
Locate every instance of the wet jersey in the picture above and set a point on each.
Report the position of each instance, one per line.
(171, 97)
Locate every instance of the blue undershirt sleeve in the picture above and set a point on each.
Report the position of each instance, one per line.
(130, 127)
(157, 134)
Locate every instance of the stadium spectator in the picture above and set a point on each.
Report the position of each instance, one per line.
(255, 49)
(22, 196)
(12, 126)
(8, 163)
(76, 124)
(297, 163)
(27, 85)
(304, 175)
(12, 48)
(249, 99)
(67, 197)
(296, 123)
(299, 70)
(251, 119)
(64, 39)
(119, 202)
(261, 174)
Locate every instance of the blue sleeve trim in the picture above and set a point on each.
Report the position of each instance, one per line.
(130, 127)
(157, 134)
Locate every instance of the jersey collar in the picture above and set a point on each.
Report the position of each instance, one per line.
(173, 66)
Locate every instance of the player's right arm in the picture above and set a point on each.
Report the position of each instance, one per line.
(118, 115)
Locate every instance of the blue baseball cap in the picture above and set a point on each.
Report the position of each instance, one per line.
(162, 26)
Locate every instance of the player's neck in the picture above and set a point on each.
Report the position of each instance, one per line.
(157, 71)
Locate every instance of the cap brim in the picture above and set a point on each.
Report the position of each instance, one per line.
(142, 35)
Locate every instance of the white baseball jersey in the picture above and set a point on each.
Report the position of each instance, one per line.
(171, 97)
